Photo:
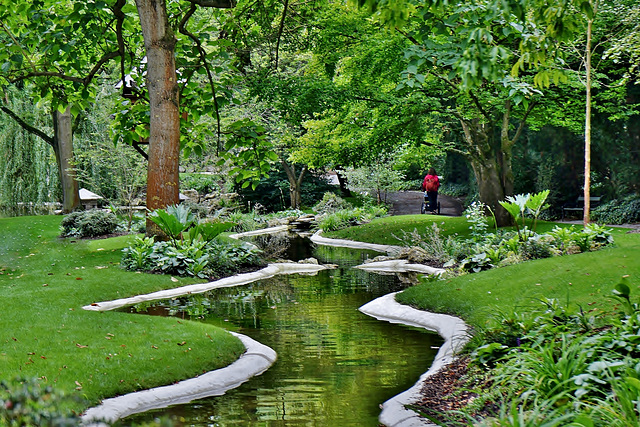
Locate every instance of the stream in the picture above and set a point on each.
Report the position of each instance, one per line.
(335, 365)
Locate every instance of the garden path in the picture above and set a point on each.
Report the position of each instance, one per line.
(409, 202)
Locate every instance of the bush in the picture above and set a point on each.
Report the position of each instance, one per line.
(202, 183)
(30, 403)
(191, 257)
(331, 203)
(272, 193)
(350, 217)
(92, 223)
(623, 211)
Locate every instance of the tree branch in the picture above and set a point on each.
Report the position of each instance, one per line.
(203, 57)
(220, 4)
(37, 132)
(523, 122)
(106, 58)
(476, 101)
(280, 29)
(61, 76)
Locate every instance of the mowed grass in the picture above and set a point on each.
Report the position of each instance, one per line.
(390, 229)
(45, 333)
(583, 281)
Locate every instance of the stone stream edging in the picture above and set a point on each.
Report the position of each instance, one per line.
(258, 357)
(453, 330)
(255, 360)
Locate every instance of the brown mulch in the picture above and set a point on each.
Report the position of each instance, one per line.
(450, 390)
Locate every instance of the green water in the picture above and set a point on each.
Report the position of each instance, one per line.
(335, 365)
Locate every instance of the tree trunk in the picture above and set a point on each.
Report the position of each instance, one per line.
(342, 182)
(491, 159)
(63, 149)
(491, 189)
(587, 132)
(164, 123)
(295, 184)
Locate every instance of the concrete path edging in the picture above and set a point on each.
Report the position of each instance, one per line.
(399, 266)
(452, 329)
(260, 232)
(257, 359)
(240, 279)
(318, 239)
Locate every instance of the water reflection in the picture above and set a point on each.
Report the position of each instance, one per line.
(335, 365)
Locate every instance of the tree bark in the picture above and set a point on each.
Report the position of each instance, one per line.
(587, 131)
(342, 183)
(491, 159)
(164, 139)
(63, 149)
(295, 184)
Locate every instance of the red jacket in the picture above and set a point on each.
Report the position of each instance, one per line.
(433, 181)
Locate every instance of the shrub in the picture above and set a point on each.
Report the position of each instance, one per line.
(92, 223)
(331, 203)
(622, 211)
(195, 258)
(30, 403)
(535, 248)
(350, 217)
(202, 183)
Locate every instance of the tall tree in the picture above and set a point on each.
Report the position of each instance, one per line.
(58, 48)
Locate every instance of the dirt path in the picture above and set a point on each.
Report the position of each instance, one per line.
(409, 202)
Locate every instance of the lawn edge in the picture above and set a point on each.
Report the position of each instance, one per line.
(254, 361)
(453, 330)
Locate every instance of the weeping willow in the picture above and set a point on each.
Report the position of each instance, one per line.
(29, 180)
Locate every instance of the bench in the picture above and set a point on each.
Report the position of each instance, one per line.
(578, 206)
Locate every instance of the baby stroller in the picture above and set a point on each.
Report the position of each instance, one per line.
(425, 206)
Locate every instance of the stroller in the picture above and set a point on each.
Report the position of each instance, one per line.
(425, 206)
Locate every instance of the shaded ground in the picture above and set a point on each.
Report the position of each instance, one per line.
(409, 202)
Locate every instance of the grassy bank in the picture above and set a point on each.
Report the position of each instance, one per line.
(45, 333)
(584, 280)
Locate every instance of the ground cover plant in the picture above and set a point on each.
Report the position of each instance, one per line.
(192, 249)
(45, 333)
(581, 282)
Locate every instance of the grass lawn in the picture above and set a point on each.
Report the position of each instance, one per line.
(584, 280)
(44, 332)
(388, 230)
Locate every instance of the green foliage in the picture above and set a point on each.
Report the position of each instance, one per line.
(562, 364)
(28, 174)
(476, 263)
(202, 183)
(174, 220)
(477, 219)
(193, 250)
(272, 192)
(91, 223)
(618, 211)
(520, 204)
(350, 217)
(29, 402)
(331, 203)
(378, 179)
(250, 153)
(190, 257)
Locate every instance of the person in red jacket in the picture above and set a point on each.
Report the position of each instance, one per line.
(430, 184)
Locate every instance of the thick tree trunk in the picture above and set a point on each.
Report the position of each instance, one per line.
(63, 149)
(164, 123)
(491, 189)
(295, 184)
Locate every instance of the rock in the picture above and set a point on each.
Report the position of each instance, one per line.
(191, 194)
